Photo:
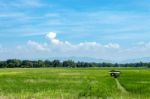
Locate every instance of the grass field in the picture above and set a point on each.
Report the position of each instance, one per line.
(74, 83)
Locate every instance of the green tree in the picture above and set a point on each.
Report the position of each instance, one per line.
(13, 63)
(27, 64)
(56, 63)
(48, 63)
(69, 63)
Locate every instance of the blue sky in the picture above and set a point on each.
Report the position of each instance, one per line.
(107, 29)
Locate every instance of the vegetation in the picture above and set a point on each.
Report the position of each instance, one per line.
(74, 83)
(11, 63)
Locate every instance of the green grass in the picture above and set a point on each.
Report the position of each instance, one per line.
(73, 83)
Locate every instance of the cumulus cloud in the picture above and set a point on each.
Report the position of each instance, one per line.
(38, 46)
(94, 44)
(55, 47)
(52, 36)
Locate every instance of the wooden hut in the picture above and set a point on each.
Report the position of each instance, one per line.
(114, 73)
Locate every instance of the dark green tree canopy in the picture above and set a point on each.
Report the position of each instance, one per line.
(15, 63)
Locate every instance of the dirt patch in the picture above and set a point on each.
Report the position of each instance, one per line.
(5, 97)
(120, 87)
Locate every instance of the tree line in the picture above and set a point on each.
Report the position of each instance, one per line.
(15, 63)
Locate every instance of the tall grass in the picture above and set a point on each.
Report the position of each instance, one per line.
(73, 83)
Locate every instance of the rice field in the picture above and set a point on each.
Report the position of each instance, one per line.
(74, 83)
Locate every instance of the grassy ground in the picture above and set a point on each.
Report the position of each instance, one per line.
(80, 83)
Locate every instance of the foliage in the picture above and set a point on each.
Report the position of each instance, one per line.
(11, 63)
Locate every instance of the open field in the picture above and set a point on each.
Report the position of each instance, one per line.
(74, 83)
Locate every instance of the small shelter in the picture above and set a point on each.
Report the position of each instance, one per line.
(114, 73)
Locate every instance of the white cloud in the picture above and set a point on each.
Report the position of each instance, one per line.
(52, 36)
(112, 45)
(38, 46)
(59, 48)
(89, 49)
(94, 44)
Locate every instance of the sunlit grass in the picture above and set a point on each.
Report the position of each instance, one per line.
(73, 83)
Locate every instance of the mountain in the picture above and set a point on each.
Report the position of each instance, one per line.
(98, 60)
(81, 59)
(144, 59)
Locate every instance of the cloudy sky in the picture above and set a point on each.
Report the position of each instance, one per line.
(107, 29)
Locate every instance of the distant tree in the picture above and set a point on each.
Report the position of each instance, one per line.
(13, 63)
(148, 65)
(69, 63)
(56, 63)
(116, 65)
(78, 64)
(27, 64)
(3, 64)
(87, 65)
(40, 63)
(48, 63)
